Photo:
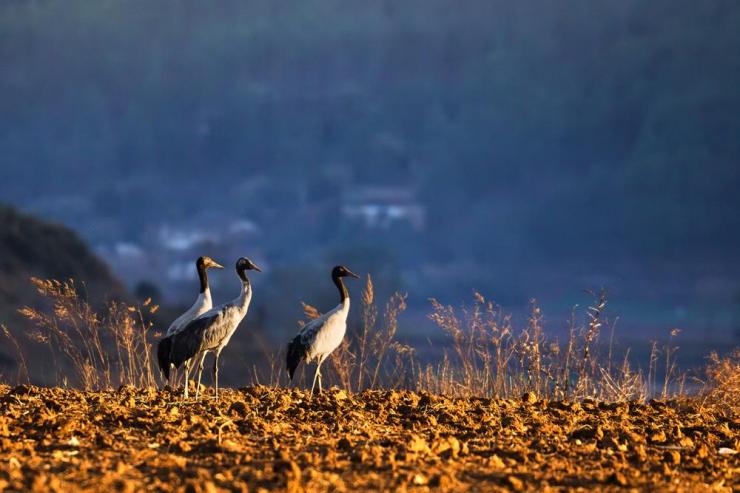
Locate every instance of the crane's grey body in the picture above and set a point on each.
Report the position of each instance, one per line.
(212, 330)
(322, 335)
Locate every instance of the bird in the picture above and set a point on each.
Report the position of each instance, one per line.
(322, 335)
(202, 304)
(212, 330)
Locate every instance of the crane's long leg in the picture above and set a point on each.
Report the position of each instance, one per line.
(318, 369)
(188, 365)
(200, 374)
(215, 370)
(187, 372)
(315, 375)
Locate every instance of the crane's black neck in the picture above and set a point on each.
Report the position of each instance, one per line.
(242, 273)
(203, 276)
(343, 294)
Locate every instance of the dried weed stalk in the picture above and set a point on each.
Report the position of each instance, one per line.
(488, 359)
(103, 350)
(721, 387)
(22, 375)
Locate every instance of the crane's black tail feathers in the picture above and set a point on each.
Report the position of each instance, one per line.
(164, 349)
(296, 353)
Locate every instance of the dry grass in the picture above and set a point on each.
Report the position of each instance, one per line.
(485, 355)
(721, 388)
(101, 350)
(22, 375)
(490, 358)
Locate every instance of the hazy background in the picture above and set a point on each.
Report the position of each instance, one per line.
(526, 149)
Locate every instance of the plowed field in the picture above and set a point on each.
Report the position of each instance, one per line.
(261, 438)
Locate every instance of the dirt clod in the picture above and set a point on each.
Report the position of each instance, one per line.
(672, 457)
(515, 483)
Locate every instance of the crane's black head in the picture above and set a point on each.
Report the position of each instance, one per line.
(243, 265)
(342, 271)
(207, 263)
(202, 265)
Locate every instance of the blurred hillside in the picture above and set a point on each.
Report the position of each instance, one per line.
(31, 247)
(521, 148)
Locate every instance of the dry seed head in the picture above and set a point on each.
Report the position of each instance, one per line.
(310, 311)
(368, 294)
(38, 337)
(60, 311)
(30, 313)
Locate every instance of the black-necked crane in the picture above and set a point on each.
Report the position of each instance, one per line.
(212, 330)
(319, 337)
(202, 304)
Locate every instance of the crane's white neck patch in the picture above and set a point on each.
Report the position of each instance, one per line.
(205, 299)
(245, 296)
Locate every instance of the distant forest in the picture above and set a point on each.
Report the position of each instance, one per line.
(563, 130)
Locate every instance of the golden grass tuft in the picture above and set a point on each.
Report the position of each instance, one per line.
(721, 387)
(102, 350)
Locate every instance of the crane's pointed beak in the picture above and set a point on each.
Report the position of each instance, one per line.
(352, 274)
(215, 265)
(254, 267)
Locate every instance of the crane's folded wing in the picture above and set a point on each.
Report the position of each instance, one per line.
(197, 335)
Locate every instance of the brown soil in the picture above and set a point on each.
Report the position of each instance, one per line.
(254, 438)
